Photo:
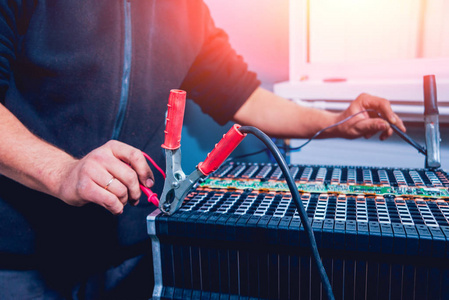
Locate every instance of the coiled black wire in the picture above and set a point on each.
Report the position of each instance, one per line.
(297, 200)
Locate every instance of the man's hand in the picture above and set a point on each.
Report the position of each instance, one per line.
(368, 123)
(279, 117)
(108, 176)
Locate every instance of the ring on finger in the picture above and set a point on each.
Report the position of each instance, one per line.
(109, 183)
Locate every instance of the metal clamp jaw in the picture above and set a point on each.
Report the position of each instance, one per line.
(431, 121)
(176, 185)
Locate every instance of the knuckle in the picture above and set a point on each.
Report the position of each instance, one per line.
(130, 177)
(84, 187)
(135, 195)
(363, 95)
(111, 204)
(96, 155)
(135, 155)
(110, 143)
(384, 102)
(122, 193)
(88, 171)
(108, 201)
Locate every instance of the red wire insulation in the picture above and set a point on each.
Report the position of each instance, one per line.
(152, 197)
(154, 164)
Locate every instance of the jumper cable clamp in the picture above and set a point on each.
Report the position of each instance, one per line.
(177, 184)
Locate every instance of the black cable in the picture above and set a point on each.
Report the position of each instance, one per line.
(297, 200)
(408, 139)
(285, 148)
(248, 154)
(403, 135)
(308, 141)
(400, 133)
(329, 127)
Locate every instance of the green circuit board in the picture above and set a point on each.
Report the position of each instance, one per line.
(281, 186)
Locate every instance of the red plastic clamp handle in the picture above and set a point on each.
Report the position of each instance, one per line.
(222, 150)
(175, 116)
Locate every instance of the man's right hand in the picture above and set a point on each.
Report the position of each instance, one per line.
(108, 176)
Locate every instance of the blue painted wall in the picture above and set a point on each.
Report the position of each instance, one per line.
(200, 133)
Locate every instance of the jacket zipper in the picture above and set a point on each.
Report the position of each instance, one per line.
(127, 52)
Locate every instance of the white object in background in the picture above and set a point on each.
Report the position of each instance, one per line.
(331, 80)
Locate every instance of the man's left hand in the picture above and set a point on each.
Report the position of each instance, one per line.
(367, 124)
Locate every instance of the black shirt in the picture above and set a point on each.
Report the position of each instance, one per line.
(78, 73)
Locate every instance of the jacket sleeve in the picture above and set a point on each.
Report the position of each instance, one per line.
(14, 20)
(219, 79)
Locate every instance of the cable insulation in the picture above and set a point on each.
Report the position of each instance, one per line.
(297, 200)
(403, 135)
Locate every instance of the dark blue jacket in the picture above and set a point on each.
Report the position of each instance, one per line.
(78, 73)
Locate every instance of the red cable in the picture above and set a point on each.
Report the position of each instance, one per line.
(152, 197)
(154, 164)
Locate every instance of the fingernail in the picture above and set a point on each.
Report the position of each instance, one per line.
(149, 183)
(392, 120)
(134, 203)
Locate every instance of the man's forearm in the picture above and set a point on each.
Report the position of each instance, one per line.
(108, 175)
(282, 118)
(27, 159)
(365, 116)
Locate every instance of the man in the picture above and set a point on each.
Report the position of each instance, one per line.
(83, 88)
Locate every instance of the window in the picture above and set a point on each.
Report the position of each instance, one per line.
(339, 49)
